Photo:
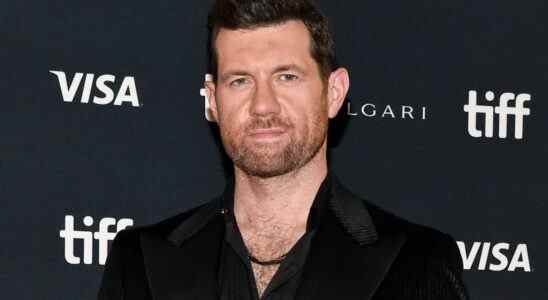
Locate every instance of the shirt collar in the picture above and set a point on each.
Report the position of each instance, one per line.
(314, 216)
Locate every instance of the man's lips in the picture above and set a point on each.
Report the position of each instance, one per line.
(265, 133)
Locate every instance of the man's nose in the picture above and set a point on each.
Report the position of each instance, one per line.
(265, 101)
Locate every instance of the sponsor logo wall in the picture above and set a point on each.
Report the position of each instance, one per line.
(444, 125)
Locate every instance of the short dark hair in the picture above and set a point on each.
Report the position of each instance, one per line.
(249, 14)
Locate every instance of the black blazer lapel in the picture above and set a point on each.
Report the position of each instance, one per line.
(177, 270)
(347, 259)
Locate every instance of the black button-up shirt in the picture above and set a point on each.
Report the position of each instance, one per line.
(236, 279)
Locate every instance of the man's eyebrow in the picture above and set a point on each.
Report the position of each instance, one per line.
(289, 67)
(231, 73)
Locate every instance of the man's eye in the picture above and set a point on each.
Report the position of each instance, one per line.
(238, 82)
(288, 77)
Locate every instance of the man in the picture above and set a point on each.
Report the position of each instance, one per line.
(285, 228)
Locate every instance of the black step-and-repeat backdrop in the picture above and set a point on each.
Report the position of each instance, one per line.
(102, 127)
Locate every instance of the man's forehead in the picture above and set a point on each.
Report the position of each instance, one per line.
(285, 41)
(294, 27)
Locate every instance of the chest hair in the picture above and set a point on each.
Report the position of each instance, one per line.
(263, 276)
(269, 243)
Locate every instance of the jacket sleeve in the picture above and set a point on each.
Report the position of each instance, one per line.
(444, 271)
(452, 272)
(454, 280)
(429, 268)
(112, 282)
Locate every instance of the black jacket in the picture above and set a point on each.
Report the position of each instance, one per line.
(358, 252)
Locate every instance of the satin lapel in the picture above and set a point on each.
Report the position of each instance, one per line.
(177, 270)
(347, 259)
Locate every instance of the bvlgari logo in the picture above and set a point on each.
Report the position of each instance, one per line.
(387, 111)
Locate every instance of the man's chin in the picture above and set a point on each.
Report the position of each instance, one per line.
(266, 171)
(266, 164)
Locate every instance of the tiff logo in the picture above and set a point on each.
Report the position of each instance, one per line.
(203, 93)
(503, 110)
(102, 236)
(103, 83)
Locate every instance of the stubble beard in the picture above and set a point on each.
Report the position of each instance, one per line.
(266, 160)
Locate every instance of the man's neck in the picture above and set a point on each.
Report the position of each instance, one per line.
(283, 200)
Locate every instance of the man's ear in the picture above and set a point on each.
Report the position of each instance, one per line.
(337, 89)
(210, 96)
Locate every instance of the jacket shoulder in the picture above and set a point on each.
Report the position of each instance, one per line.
(124, 276)
(429, 262)
(421, 240)
(161, 229)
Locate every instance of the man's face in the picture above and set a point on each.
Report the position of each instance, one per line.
(269, 99)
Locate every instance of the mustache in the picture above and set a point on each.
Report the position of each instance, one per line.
(266, 123)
